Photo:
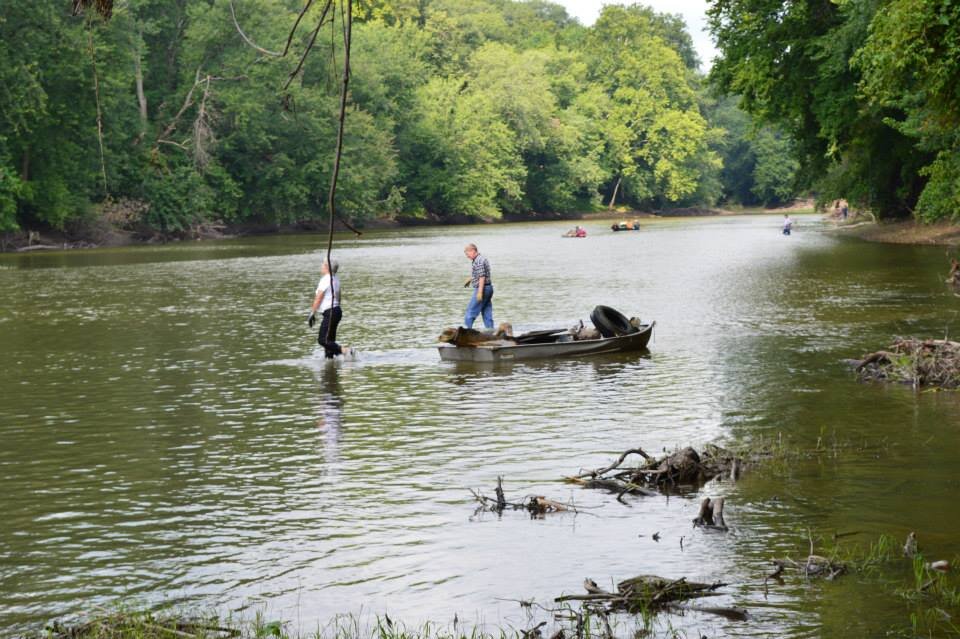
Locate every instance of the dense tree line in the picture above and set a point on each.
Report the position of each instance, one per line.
(171, 115)
(867, 90)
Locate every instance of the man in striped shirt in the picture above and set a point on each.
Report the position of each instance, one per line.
(481, 302)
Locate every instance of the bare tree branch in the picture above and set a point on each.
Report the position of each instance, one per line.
(313, 39)
(187, 103)
(296, 24)
(243, 35)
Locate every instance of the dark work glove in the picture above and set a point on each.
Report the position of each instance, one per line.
(311, 319)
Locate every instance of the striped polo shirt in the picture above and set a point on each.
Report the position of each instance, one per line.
(480, 268)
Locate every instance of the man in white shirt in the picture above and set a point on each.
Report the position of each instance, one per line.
(327, 301)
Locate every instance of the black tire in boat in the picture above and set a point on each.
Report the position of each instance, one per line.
(610, 322)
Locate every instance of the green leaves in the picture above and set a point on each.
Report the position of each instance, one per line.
(866, 89)
(655, 134)
(457, 109)
(11, 189)
(911, 65)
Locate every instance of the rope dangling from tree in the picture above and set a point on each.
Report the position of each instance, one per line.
(347, 25)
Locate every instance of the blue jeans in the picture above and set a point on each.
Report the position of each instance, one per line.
(483, 308)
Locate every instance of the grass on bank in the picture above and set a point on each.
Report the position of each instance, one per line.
(931, 596)
(167, 624)
(568, 623)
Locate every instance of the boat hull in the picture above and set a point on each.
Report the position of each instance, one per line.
(570, 349)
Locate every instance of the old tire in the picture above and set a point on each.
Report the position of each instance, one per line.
(610, 322)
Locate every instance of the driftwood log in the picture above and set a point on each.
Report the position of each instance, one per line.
(685, 467)
(643, 593)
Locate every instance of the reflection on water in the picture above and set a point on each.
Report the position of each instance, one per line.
(170, 432)
(331, 412)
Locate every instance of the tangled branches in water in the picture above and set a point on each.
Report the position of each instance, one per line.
(931, 362)
(685, 467)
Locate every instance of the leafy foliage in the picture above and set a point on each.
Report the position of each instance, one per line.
(457, 109)
(865, 88)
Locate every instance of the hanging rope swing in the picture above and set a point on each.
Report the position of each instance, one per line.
(347, 25)
(327, 16)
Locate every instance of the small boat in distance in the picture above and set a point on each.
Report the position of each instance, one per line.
(626, 226)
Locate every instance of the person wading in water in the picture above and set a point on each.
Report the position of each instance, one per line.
(327, 300)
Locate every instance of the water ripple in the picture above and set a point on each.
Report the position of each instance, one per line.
(175, 434)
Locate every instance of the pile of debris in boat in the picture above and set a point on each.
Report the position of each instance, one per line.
(930, 362)
(612, 332)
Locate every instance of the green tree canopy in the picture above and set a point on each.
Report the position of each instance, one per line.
(173, 114)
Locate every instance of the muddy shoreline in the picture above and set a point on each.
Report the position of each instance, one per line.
(903, 232)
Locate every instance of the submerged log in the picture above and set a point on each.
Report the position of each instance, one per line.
(613, 485)
(733, 614)
(644, 593)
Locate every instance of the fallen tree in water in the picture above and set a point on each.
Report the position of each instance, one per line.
(685, 467)
(930, 362)
(647, 594)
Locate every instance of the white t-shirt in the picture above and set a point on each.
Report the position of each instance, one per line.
(328, 299)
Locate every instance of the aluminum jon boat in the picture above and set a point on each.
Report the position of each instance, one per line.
(551, 344)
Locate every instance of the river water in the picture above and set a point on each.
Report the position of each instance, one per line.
(170, 434)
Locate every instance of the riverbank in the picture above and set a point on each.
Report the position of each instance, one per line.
(105, 236)
(908, 232)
